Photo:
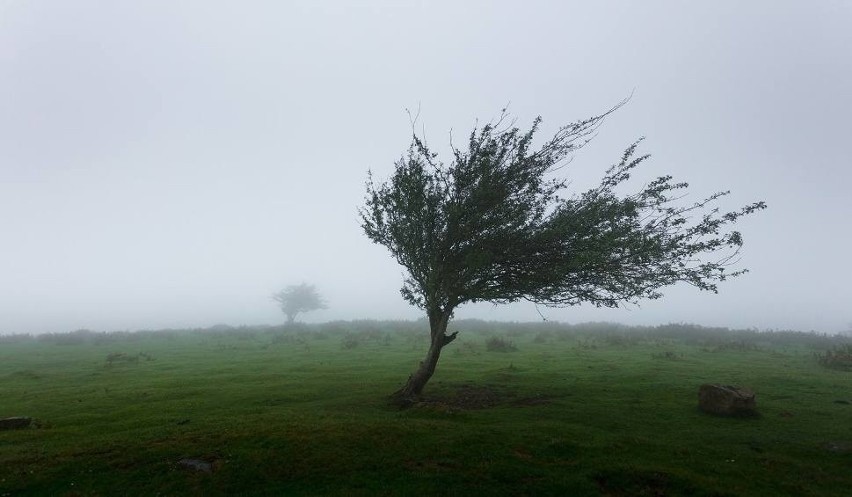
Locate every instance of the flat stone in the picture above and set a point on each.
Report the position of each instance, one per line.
(726, 400)
(196, 464)
(15, 423)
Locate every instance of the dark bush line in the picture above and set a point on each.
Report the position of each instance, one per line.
(121, 357)
(353, 340)
(716, 339)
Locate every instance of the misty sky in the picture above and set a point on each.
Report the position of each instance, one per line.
(172, 164)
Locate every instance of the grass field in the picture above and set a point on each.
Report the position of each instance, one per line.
(575, 410)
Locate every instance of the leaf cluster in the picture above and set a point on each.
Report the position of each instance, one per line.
(299, 298)
(493, 225)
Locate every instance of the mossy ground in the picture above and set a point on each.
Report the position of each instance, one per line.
(574, 411)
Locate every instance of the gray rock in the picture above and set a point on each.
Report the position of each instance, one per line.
(196, 464)
(726, 400)
(838, 447)
(15, 423)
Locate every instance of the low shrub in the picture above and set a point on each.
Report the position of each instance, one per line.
(666, 355)
(587, 345)
(499, 344)
(121, 357)
(734, 346)
(285, 338)
(16, 338)
(839, 357)
(466, 348)
(76, 337)
(350, 341)
(621, 340)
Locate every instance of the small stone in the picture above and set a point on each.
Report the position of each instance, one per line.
(15, 423)
(726, 400)
(196, 464)
(838, 447)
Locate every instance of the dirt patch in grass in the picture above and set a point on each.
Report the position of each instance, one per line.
(634, 482)
(429, 465)
(477, 397)
(470, 396)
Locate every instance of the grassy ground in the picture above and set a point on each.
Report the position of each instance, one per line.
(596, 410)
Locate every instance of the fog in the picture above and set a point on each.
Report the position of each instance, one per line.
(172, 164)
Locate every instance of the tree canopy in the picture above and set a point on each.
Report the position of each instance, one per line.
(296, 299)
(495, 225)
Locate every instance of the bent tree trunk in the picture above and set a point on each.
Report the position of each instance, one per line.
(410, 393)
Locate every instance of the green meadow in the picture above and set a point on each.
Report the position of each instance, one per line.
(514, 409)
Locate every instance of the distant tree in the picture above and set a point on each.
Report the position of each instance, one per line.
(492, 226)
(298, 298)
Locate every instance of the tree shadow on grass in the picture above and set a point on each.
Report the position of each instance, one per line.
(470, 396)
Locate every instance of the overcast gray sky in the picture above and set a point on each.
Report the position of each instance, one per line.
(171, 164)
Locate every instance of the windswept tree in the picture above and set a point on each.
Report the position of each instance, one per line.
(494, 225)
(296, 299)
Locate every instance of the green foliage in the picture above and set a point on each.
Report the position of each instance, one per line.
(121, 357)
(735, 345)
(350, 341)
(365, 336)
(491, 226)
(839, 357)
(666, 355)
(500, 344)
(296, 299)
